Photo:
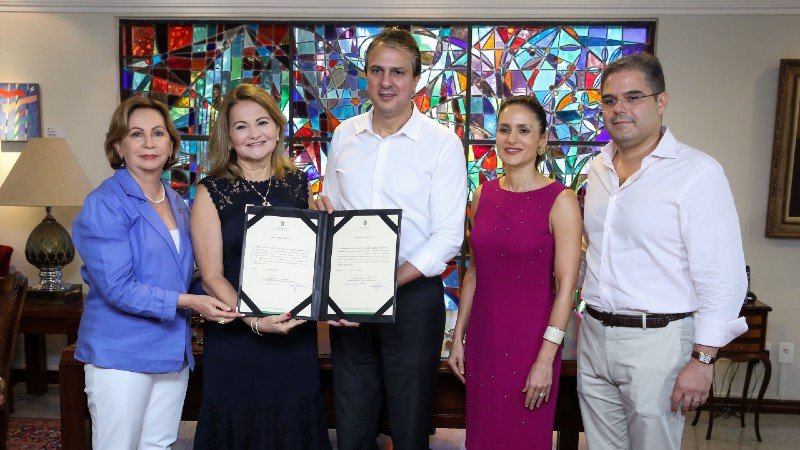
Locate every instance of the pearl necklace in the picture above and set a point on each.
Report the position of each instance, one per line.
(159, 201)
(263, 197)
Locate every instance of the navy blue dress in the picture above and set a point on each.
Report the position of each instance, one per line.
(259, 392)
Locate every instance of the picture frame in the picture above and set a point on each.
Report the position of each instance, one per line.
(783, 208)
(20, 111)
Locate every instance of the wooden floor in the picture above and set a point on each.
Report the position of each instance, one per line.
(779, 431)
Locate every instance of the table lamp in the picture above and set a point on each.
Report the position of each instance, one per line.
(47, 174)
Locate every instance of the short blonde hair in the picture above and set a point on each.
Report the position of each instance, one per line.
(222, 157)
(118, 129)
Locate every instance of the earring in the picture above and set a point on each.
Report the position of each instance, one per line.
(541, 150)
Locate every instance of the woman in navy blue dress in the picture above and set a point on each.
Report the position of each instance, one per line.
(261, 387)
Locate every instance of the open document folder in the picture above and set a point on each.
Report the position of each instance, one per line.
(320, 266)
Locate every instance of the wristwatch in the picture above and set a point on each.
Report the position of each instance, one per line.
(704, 358)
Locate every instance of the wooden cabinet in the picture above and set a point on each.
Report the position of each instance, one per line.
(40, 317)
(755, 339)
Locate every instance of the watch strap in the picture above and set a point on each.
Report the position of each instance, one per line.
(704, 358)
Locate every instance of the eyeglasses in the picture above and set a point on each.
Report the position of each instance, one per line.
(629, 100)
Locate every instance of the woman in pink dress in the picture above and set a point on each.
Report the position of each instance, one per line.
(516, 296)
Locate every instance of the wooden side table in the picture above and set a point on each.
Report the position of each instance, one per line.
(41, 317)
(750, 348)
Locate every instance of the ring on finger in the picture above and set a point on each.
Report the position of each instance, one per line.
(541, 394)
(221, 321)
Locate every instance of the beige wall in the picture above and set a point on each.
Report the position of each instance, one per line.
(721, 73)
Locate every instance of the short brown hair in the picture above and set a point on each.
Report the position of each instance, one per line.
(646, 63)
(400, 39)
(118, 129)
(222, 157)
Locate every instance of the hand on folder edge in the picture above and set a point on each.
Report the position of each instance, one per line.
(342, 323)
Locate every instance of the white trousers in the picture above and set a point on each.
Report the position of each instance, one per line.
(132, 410)
(625, 382)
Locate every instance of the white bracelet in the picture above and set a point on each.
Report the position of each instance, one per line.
(254, 326)
(554, 335)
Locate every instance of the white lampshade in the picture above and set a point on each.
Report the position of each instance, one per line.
(45, 174)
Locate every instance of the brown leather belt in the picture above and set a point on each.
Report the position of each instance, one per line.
(634, 321)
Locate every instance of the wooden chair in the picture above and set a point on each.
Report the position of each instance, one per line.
(13, 290)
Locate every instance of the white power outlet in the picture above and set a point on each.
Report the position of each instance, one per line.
(786, 353)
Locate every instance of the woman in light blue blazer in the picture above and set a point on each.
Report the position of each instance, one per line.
(133, 236)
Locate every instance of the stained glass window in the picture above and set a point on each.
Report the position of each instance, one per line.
(316, 73)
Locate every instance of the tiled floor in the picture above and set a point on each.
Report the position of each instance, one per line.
(780, 432)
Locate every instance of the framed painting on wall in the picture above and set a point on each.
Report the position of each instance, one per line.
(783, 210)
(20, 117)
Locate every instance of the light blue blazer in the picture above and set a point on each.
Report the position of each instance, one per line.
(130, 320)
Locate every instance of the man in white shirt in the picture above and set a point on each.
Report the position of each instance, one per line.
(395, 157)
(665, 273)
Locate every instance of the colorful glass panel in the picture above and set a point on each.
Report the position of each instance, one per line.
(330, 85)
(190, 66)
(559, 64)
(312, 158)
(482, 165)
(184, 175)
(442, 87)
(316, 72)
(451, 278)
(569, 164)
(328, 73)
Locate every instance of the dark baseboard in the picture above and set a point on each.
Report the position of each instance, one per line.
(768, 406)
(20, 375)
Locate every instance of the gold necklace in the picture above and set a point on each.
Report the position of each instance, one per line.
(159, 201)
(263, 197)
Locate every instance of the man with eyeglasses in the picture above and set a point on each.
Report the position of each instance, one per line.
(664, 274)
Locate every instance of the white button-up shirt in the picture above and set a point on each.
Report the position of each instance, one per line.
(666, 241)
(420, 169)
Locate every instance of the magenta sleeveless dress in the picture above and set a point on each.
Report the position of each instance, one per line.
(514, 253)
